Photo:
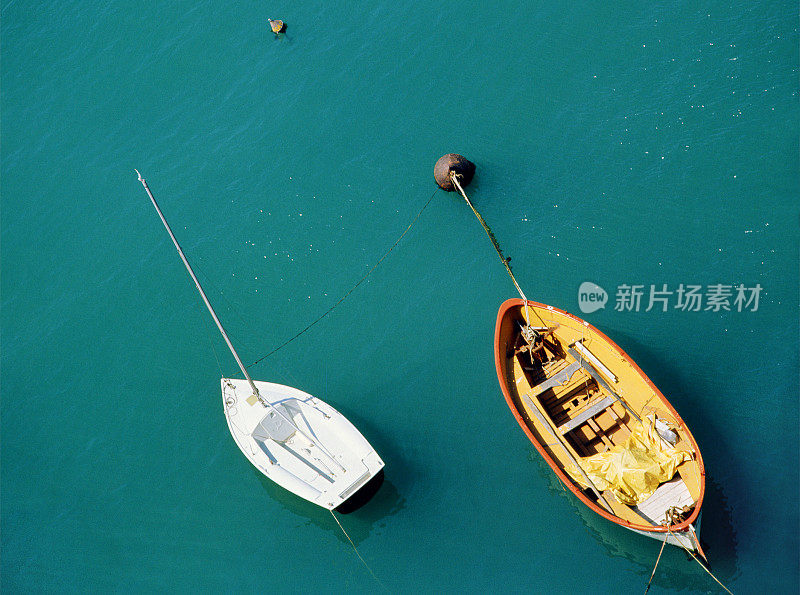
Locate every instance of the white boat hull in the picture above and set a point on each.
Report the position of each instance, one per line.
(683, 539)
(688, 539)
(326, 461)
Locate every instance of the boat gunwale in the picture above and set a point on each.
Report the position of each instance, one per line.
(685, 525)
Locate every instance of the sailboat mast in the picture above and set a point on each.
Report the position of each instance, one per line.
(263, 401)
(197, 283)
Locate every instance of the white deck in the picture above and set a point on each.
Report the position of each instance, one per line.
(670, 494)
(325, 470)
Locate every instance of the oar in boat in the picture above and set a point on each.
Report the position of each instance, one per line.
(546, 422)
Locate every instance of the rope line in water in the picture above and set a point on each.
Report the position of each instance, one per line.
(668, 522)
(489, 233)
(454, 176)
(355, 549)
(652, 574)
(703, 566)
(352, 289)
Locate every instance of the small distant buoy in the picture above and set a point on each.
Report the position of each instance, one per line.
(453, 162)
(278, 26)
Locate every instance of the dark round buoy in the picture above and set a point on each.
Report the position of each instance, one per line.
(453, 162)
(277, 26)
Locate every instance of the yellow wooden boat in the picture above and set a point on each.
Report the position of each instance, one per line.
(605, 429)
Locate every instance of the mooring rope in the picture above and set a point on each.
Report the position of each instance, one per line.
(703, 566)
(352, 289)
(487, 229)
(668, 523)
(668, 520)
(355, 549)
(454, 176)
(652, 574)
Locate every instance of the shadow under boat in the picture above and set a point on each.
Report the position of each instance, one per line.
(363, 495)
(719, 540)
(385, 502)
(718, 536)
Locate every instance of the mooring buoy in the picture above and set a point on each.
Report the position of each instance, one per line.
(277, 26)
(449, 164)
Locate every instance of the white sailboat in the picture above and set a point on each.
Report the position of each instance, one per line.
(296, 440)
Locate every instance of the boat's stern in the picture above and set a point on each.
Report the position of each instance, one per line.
(360, 490)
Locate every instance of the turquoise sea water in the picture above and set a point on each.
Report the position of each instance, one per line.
(616, 144)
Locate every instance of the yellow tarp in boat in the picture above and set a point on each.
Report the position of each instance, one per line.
(634, 469)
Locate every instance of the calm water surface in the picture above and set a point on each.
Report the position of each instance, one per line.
(620, 145)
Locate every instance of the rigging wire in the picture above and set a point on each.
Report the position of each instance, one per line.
(211, 341)
(352, 289)
(231, 310)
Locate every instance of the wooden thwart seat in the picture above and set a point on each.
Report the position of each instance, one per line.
(585, 415)
(569, 392)
(558, 379)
